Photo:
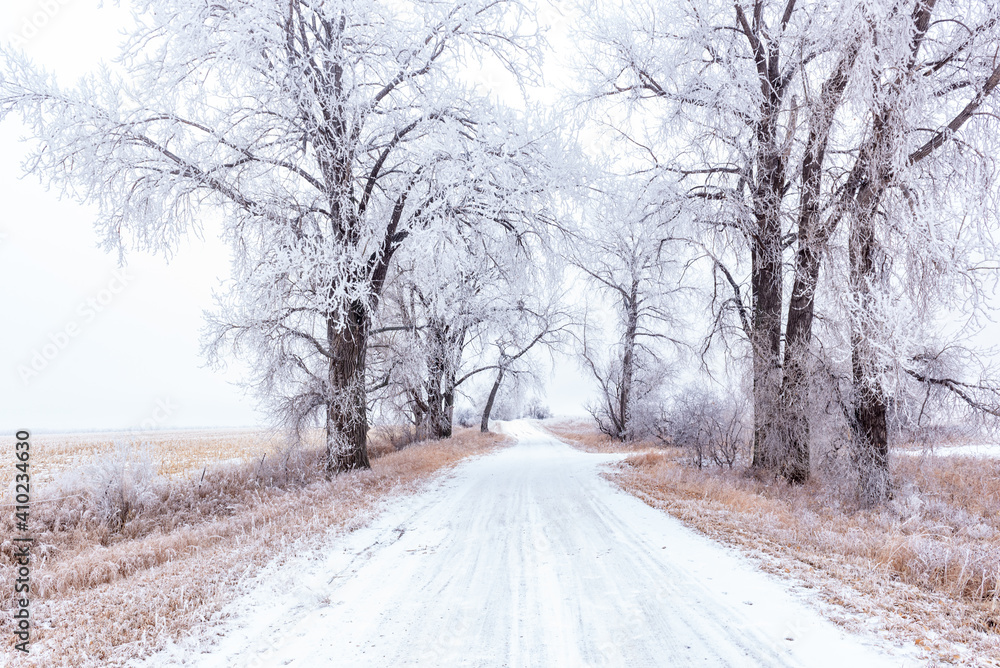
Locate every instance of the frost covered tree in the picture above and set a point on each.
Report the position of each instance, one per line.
(714, 88)
(325, 134)
(629, 255)
(469, 280)
(532, 321)
(447, 291)
(420, 337)
(804, 130)
(485, 305)
(918, 197)
(891, 183)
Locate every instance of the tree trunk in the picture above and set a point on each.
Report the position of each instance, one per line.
(794, 402)
(456, 347)
(443, 362)
(766, 349)
(813, 236)
(435, 379)
(447, 415)
(347, 411)
(628, 364)
(868, 429)
(418, 409)
(766, 257)
(484, 425)
(871, 442)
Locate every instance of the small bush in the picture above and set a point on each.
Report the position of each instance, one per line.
(537, 410)
(466, 416)
(391, 438)
(119, 485)
(715, 429)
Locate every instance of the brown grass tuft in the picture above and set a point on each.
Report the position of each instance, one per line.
(645, 460)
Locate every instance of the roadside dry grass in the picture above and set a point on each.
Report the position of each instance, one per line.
(102, 595)
(586, 437)
(927, 565)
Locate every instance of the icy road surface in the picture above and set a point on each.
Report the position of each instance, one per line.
(526, 557)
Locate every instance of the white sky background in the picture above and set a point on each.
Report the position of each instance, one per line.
(118, 352)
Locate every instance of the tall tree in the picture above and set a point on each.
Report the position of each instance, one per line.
(790, 121)
(929, 80)
(812, 235)
(721, 84)
(629, 254)
(325, 134)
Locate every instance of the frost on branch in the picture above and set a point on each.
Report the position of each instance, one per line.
(838, 151)
(631, 256)
(324, 135)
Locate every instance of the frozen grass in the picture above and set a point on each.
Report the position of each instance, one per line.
(927, 564)
(111, 586)
(586, 437)
(174, 452)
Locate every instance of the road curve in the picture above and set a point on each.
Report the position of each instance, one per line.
(523, 558)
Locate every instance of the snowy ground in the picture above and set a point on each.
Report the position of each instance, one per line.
(526, 557)
(989, 450)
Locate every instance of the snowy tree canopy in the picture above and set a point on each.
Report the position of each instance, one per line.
(801, 130)
(832, 163)
(326, 135)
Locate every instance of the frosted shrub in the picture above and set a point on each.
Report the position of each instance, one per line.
(466, 416)
(715, 429)
(537, 409)
(907, 503)
(119, 485)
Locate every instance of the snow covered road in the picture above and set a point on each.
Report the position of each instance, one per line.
(526, 557)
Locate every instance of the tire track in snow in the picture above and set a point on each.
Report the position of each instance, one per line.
(526, 557)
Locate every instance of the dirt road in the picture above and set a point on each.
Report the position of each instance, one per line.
(526, 557)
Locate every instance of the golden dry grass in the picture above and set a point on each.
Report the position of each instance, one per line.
(175, 452)
(585, 437)
(927, 563)
(101, 597)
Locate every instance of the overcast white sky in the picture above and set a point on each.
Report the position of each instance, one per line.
(84, 345)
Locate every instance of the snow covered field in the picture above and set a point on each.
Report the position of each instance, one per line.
(991, 450)
(526, 557)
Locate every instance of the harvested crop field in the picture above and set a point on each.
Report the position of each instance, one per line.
(174, 452)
